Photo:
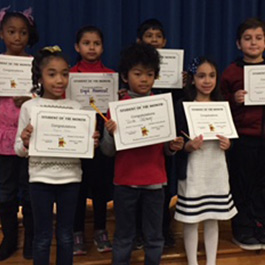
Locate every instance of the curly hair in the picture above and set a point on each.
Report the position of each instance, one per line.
(41, 59)
(139, 53)
(33, 34)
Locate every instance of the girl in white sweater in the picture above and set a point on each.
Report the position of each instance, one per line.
(51, 179)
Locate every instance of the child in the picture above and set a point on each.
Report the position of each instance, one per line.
(151, 31)
(18, 30)
(247, 157)
(139, 66)
(51, 179)
(203, 188)
(89, 45)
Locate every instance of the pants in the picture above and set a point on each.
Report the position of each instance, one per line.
(42, 198)
(125, 205)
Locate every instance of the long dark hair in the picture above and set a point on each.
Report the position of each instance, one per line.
(190, 91)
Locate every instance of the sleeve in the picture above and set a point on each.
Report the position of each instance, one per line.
(24, 120)
(107, 144)
(225, 86)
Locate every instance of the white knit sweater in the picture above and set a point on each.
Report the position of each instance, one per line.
(50, 170)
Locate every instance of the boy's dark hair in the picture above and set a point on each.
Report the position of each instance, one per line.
(151, 23)
(190, 91)
(139, 53)
(33, 34)
(41, 59)
(86, 29)
(250, 23)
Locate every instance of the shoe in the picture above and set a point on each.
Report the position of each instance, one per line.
(138, 242)
(260, 233)
(247, 243)
(101, 240)
(79, 244)
(169, 240)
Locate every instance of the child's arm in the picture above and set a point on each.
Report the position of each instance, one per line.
(107, 144)
(193, 145)
(96, 136)
(224, 142)
(24, 130)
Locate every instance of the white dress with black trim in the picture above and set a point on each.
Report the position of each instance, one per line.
(205, 193)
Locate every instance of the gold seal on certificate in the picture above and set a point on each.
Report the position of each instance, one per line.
(254, 84)
(15, 76)
(143, 121)
(62, 133)
(209, 119)
(171, 67)
(101, 87)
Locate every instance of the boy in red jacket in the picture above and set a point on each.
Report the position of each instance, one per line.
(139, 172)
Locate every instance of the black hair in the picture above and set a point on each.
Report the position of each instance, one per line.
(139, 53)
(250, 23)
(190, 91)
(33, 34)
(41, 59)
(151, 23)
(86, 29)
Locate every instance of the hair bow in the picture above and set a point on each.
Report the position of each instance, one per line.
(193, 66)
(52, 49)
(3, 12)
(27, 13)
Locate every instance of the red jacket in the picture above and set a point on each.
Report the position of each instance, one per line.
(85, 67)
(248, 119)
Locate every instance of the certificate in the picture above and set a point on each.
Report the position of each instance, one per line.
(143, 121)
(171, 67)
(62, 133)
(209, 119)
(15, 76)
(254, 84)
(100, 88)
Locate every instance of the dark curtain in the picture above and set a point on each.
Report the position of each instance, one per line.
(200, 27)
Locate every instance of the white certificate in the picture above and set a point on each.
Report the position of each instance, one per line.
(143, 121)
(254, 84)
(15, 76)
(100, 88)
(62, 133)
(171, 67)
(209, 119)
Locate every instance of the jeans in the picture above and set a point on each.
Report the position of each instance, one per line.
(126, 200)
(42, 198)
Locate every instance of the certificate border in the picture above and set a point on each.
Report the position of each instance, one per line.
(225, 106)
(145, 142)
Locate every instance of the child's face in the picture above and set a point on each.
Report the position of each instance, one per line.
(54, 78)
(155, 38)
(252, 44)
(15, 35)
(90, 47)
(140, 79)
(205, 81)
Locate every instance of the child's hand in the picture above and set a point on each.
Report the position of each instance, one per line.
(110, 126)
(96, 136)
(122, 92)
(20, 100)
(240, 96)
(25, 135)
(195, 144)
(184, 78)
(177, 144)
(224, 142)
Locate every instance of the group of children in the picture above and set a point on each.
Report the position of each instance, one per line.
(141, 178)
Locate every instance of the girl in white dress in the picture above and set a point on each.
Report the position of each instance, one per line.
(203, 186)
